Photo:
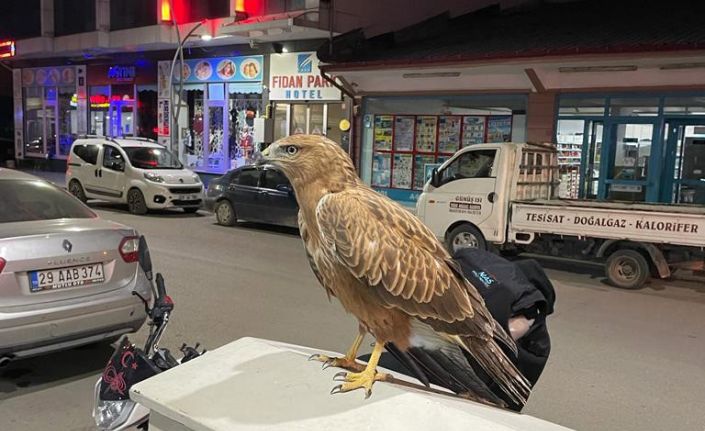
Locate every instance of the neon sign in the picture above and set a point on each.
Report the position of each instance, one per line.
(7, 49)
(122, 73)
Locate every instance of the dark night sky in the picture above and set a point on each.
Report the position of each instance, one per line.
(19, 19)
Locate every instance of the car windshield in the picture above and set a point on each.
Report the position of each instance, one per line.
(28, 200)
(152, 158)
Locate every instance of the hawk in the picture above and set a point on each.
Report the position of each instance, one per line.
(389, 271)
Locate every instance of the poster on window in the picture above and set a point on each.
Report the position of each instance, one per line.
(383, 132)
(499, 129)
(426, 134)
(404, 133)
(448, 134)
(381, 169)
(473, 130)
(420, 163)
(401, 174)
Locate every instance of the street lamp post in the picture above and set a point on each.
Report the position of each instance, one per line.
(179, 54)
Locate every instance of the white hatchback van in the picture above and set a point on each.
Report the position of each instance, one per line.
(136, 171)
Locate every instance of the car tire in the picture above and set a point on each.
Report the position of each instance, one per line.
(136, 203)
(627, 269)
(225, 213)
(465, 236)
(76, 189)
(190, 210)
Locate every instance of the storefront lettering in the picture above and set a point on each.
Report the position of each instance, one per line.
(121, 73)
(297, 81)
(600, 221)
(303, 94)
(666, 226)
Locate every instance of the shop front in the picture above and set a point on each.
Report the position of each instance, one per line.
(639, 147)
(48, 115)
(220, 103)
(122, 100)
(404, 138)
(304, 102)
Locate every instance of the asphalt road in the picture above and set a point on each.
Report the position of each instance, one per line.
(621, 360)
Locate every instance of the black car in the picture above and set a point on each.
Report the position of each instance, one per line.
(253, 193)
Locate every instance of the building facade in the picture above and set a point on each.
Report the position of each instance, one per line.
(624, 105)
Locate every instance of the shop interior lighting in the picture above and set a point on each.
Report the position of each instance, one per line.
(206, 37)
(431, 75)
(583, 69)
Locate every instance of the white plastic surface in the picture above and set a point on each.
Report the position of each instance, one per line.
(254, 384)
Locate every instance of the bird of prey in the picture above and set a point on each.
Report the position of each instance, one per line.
(389, 271)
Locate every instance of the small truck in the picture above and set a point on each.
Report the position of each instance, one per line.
(502, 196)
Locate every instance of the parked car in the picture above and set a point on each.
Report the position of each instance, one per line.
(253, 193)
(135, 171)
(66, 275)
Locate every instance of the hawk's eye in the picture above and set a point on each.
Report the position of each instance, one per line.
(291, 149)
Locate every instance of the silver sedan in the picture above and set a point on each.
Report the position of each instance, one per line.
(66, 275)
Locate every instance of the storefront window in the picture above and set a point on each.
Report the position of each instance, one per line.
(68, 120)
(50, 120)
(694, 105)
(404, 138)
(634, 106)
(243, 108)
(335, 114)
(193, 135)
(298, 119)
(122, 110)
(315, 124)
(99, 99)
(147, 111)
(582, 106)
(33, 121)
(281, 121)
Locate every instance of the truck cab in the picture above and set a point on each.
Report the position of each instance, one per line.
(466, 202)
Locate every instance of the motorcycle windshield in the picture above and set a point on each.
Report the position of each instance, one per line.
(127, 366)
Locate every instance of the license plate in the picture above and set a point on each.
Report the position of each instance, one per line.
(66, 277)
(188, 197)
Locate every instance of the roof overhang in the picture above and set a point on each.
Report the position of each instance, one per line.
(560, 73)
(284, 26)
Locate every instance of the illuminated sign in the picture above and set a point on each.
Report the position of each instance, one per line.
(7, 49)
(101, 100)
(165, 11)
(122, 73)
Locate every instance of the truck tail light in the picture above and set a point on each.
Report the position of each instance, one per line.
(129, 249)
(2, 264)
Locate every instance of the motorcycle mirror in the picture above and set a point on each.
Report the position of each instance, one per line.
(144, 259)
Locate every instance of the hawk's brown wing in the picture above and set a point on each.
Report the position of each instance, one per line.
(384, 244)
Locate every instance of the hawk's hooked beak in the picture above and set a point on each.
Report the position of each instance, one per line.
(261, 158)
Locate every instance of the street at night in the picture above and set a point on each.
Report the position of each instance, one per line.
(620, 360)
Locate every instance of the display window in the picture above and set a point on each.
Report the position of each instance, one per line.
(50, 111)
(407, 147)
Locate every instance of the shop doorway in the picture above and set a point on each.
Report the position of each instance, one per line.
(308, 118)
(684, 170)
(626, 160)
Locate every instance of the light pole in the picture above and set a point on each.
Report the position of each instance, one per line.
(180, 55)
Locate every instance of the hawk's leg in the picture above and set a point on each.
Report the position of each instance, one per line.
(364, 379)
(348, 361)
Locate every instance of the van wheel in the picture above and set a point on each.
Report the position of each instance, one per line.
(465, 236)
(136, 203)
(627, 269)
(76, 189)
(225, 213)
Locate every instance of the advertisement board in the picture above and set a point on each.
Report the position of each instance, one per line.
(295, 76)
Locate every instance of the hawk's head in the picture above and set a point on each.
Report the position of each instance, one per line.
(308, 159)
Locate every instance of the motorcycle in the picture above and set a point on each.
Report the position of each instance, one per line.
(113, 409)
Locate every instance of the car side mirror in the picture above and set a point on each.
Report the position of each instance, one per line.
(144, 258)
(435, 178)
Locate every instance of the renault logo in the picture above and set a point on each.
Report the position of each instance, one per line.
(67, 245)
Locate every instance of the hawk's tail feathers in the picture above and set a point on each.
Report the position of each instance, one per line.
(503, 371)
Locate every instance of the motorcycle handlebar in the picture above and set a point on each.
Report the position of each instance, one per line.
(161, 289)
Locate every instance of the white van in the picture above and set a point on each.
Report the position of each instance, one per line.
(135, 171)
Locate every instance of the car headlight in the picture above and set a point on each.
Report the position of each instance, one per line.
(154, 177)
(109, 415)
(196, 178)
(217, 187)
